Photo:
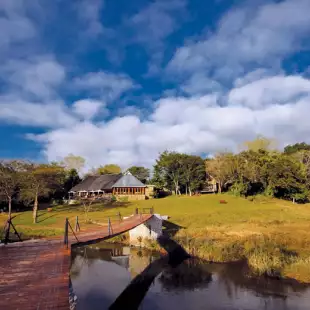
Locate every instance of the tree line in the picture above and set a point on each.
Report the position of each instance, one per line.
(258, 168)
(25, 183)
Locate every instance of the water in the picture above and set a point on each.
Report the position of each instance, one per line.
(101, 272)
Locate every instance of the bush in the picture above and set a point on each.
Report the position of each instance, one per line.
(239, 189)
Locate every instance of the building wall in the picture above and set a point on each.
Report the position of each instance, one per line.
(130, 197)
(151, 229)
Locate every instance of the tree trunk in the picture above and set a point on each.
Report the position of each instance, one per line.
(220, 187)
(186, 189)
(190, 191)
(35, 209)
(10, 207)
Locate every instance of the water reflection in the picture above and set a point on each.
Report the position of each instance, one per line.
(101, 272)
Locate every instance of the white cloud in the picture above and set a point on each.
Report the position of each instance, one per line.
(195, 125)
(89, 13)
(270, 90)
(38, 77)
(107, 85)
(21, 112)
(15, 26)
(152, 25)
(248, 36)
(88, 108)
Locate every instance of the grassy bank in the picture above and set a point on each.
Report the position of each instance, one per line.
(273, 235)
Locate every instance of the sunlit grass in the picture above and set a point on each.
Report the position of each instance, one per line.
(273, 235)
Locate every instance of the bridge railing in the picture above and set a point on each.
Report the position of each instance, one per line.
(145, 210)
(67, 227)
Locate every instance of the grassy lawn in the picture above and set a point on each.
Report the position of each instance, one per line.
(273, 235)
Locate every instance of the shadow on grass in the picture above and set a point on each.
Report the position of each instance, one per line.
(170, 229)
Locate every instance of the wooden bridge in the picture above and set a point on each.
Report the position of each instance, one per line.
(35, 274)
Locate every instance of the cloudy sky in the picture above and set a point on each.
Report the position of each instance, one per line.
(119, 81)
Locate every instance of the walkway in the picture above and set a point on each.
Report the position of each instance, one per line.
(35, 274)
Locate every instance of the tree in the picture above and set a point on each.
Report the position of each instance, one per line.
(294, 148)
(141, 173)
(74, 162)
(260, 143)
(194, 174)
(222, 168)
(168, 170)
(39, 180)
(286, 178)
(109, 169)
(9, 181)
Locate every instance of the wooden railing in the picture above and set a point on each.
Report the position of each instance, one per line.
(66, 234)
(145, 210)
(6, 231)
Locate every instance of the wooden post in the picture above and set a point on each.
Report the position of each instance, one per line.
(66, 239)
(109, 226)
(77, 225)
(7, 231)
(119, 216)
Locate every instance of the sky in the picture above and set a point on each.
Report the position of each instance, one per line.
(119, 81)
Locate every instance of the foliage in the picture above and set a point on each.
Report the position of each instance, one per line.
(9, 181)
(260, 143)
(109, 169)
(73, 162)
(294, 148)
(39, 180)
(179, 172)
(141, 173)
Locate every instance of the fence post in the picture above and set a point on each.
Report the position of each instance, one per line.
(77, 225)
(109, 226)
(7, 231)
(66, 241)
(119, 216)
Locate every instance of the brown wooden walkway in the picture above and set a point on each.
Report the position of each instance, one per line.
(35, 274)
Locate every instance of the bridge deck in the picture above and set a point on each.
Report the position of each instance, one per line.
(35, 274)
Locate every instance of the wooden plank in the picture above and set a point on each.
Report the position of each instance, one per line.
(35, 275)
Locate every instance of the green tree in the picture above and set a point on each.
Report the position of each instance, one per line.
(9, 181)
(286, 178)
(193, 171)
(109, 169)
(168, 171)
(73, 162)
(294, 148)
(223, 169)
(141, 173)
(39, 180)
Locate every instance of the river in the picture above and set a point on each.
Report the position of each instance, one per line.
(101, 272)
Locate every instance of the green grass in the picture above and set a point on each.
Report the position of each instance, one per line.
(273, 235)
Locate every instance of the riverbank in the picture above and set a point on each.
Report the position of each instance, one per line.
(272, 235)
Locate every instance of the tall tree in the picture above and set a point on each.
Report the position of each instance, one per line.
(286, 178)
(222, 168)
(168, 170)
(109, 169)
(260, 143)
(194, 174)
(39, 180)
(9, 181)
(74, 162)
(141, 173)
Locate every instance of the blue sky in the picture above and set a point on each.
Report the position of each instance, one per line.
(120, 81)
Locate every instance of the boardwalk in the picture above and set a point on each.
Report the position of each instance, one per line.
(35, 274)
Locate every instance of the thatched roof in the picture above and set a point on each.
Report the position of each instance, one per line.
(95, 183)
